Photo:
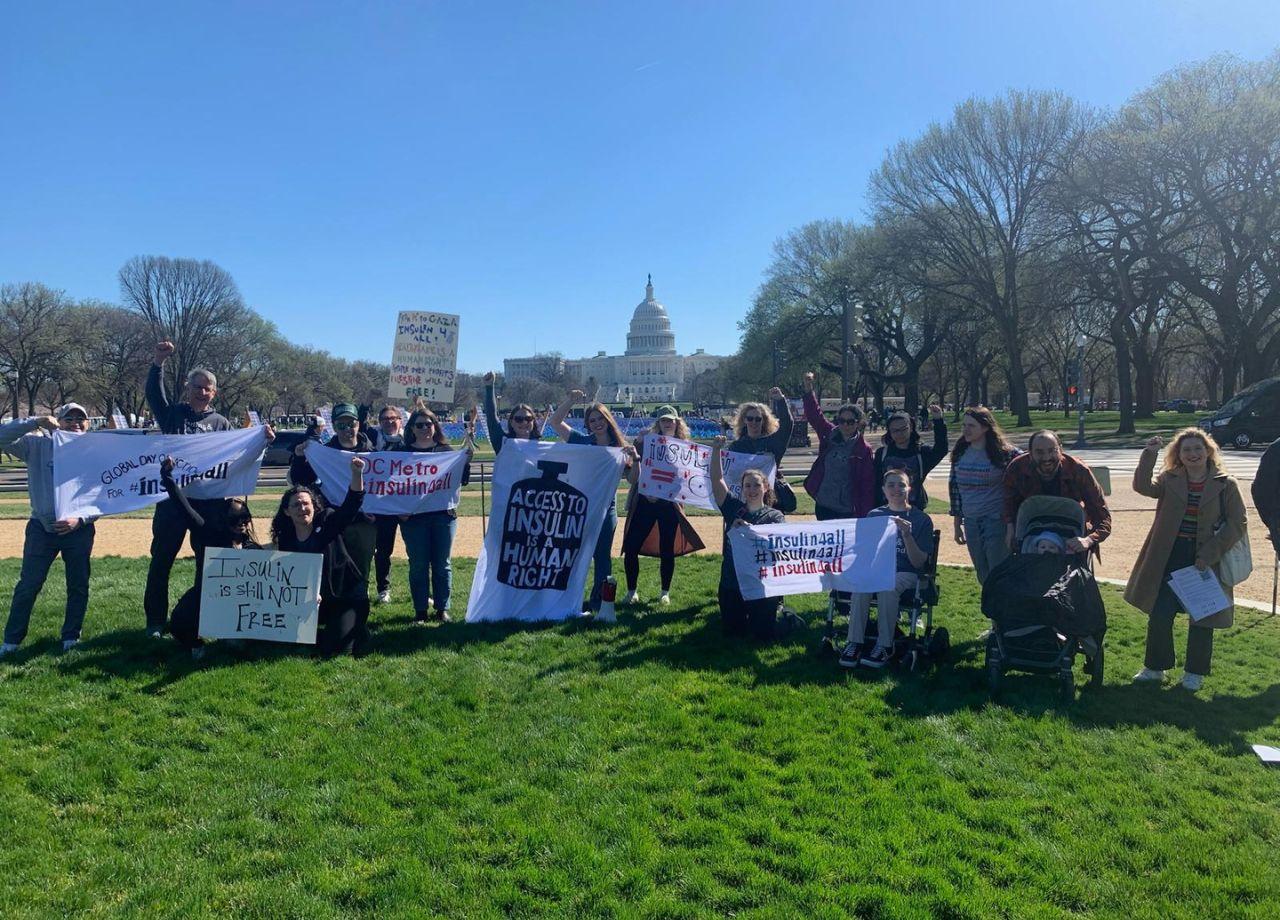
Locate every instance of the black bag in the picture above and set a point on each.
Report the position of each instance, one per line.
(1044, 590)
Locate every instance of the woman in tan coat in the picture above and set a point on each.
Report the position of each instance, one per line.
(1199, 516)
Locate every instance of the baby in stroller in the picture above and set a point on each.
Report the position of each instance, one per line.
(1043, 602)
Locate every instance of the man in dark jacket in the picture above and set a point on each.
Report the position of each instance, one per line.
(169, 525)
(1046, 470)
(387, 436)
(1266, 492)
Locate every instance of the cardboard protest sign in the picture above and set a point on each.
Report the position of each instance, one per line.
(395, 481)
(424, 357)
(678, 470)
(260, 594)
(549, 503)
(253, 418)
(857, 555)
(108, 472)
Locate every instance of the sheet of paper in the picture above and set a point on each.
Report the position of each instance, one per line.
(1200, 593)
(1267, 754)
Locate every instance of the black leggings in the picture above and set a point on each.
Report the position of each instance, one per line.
(643, 516)
(344, 626)
(741, 617)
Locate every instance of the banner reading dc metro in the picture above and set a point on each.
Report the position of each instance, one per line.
(549, 503)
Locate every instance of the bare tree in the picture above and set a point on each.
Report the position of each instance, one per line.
(33, 339)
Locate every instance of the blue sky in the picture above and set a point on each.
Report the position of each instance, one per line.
(524, 165)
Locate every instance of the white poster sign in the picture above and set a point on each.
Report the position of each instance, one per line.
(424, 358)
(773, 560)
(106, 472)
(549, 503)
(254, 418)
(395, 481)
(260, 594)
(679, 471)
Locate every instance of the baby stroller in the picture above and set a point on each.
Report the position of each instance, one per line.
(1046, 608)
(921, 644)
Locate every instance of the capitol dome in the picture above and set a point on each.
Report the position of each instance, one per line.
(650, 332)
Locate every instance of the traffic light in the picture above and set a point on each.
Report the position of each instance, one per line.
(1071, 390)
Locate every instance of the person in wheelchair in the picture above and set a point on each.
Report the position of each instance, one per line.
(915, 543)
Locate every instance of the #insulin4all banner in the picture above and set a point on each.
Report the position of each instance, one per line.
(395, 481)
(773, 560)
(549, 503)
(679, 471)
(107, 472)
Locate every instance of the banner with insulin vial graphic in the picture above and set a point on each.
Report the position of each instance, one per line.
(549, 502)
(395, 481)
(109, 472)
(772, 560)
(260, 594)
(679, 471)
(424, 358)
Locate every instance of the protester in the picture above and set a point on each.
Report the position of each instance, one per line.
(900, 449)
(303, 524)
(915, 542)
(842, 480)
(757, 430)
(1266, 492)
(229, 523)
(1046, 470)
(428, 537)
(361, 535)
(738, 616)
(1199, 516)
(976, 484)
(655, 526)
(522, 422)
(193, 415)
(387, 436)
(46, 536)
(602, 431)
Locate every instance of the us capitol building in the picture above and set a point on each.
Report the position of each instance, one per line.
(649, 371)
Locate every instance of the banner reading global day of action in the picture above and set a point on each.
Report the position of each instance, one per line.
(679, 471)
(108, 472)
(424, 358)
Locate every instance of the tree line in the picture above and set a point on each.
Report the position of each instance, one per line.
(999, 238)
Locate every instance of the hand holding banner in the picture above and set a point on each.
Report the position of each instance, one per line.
(260, 594)
(395, 481)
(679, 471)
(846, 554)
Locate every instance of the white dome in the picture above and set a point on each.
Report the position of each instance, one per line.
(650, 332)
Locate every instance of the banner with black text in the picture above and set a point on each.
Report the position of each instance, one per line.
(846, 554)
(679, 471)
(395, 481)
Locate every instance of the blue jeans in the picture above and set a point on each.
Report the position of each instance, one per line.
(987, 546)
(602, 558)
(38, 552)
(428, 539)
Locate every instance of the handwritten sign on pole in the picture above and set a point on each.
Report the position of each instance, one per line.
(260, 594)
(424, 358)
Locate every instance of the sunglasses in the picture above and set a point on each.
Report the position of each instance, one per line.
(753, 418)
(344, 426)
(425, 423)
(389, 418)
(522, 419)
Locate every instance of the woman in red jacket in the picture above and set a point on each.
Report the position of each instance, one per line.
(842, 481)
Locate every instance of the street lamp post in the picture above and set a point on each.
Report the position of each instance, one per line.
(848, 355)
(1081, 443)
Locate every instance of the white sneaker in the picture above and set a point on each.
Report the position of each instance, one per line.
(1148, 676)
(69, 644)
(156, 634)
(384, 597)
(7, 648)
(1192, 682)
(631, 598)
(665, 600)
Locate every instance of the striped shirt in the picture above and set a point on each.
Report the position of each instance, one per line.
(1189, 524)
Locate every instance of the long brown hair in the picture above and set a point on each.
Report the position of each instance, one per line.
(615, 433)
(682, 428)
(437, 433)
(534, 433)
(998, 446)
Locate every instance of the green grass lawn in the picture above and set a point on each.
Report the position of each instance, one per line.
(644, 769)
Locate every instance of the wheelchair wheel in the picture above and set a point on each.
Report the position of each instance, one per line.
(1095, 670)
(940, 644)
(995, 675)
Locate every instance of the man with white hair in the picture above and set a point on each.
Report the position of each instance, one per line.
(46, 536)
(169, 525)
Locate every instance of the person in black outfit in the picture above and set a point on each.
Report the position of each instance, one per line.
(387, 436)
(169, 525)
(304, 524)
(225, 522)
(1266, 492)
(900, 449)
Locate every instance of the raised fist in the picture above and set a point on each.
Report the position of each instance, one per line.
(163, 351)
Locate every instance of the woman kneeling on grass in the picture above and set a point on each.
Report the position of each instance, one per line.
(915, 542)
(738, 616)
(303, 524)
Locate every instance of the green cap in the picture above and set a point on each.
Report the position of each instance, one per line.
(667, 412)
(342, 409)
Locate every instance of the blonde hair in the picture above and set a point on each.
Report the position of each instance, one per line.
(682, 427)
(769, 426)
(1172, 460)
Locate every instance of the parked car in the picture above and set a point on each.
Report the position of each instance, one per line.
(281, 449)
(1251, 416)
(1180, 405)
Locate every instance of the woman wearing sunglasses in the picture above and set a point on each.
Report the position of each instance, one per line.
(757, 430)
(428, 537)
(522, 422)
(842, 480)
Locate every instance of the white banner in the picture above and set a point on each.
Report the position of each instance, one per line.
(772, 560)
(395, 481)
(260, 594)
(424, 357)
(679, 471)
(108, 472)
(549, 503)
